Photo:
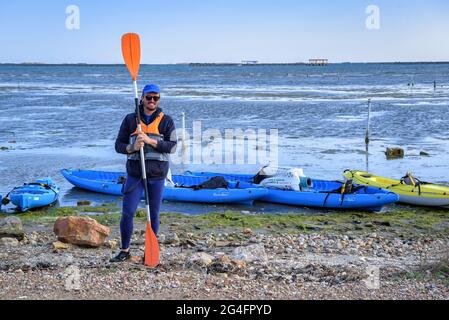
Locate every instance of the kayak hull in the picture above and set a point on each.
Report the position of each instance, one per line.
(108, 183)
(369, 199)
(431, 195)
(31, 196)
(369, 202)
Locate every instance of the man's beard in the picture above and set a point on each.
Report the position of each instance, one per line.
(151, 108)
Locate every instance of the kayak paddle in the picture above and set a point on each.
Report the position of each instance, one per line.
(131, 55)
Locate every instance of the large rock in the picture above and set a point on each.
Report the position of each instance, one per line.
(11, 227)
(254, 252)
(81, 231)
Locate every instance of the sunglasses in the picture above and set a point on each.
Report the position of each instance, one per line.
(155, 98)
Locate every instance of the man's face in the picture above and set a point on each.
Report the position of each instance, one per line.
(150, 101)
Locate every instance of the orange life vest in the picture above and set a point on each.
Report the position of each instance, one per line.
(152, 128)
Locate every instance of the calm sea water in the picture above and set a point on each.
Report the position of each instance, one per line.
(55, 117)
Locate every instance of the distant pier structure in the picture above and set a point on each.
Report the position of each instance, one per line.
(250, 62)
(318, 62)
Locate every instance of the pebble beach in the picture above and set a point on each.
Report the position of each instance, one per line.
(201, 258)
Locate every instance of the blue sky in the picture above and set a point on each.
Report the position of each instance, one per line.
(176, 31)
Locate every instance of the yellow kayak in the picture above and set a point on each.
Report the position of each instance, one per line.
(409, 189)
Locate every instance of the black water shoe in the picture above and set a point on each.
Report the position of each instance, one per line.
(122, 256)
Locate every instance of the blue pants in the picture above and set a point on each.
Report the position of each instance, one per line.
(132, 191)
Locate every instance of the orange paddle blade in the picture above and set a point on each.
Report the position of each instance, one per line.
(131, 53)
(151, 248)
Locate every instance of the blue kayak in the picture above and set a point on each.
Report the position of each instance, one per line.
(111, 183)
(323, 194)
(39, 193)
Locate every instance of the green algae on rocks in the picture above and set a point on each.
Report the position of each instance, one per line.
(406, 222)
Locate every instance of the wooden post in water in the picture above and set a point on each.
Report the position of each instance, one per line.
(368, 124)
(367, 135)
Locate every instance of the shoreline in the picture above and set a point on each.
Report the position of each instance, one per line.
(325, 256)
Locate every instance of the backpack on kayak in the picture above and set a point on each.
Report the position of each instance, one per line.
(212, 183)
(410, 180)
(347, 187)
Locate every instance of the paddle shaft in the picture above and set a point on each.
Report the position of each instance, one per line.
(142, 153)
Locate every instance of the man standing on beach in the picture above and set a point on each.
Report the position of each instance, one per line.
(159, 140)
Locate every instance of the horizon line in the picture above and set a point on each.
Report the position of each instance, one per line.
(220, 63)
